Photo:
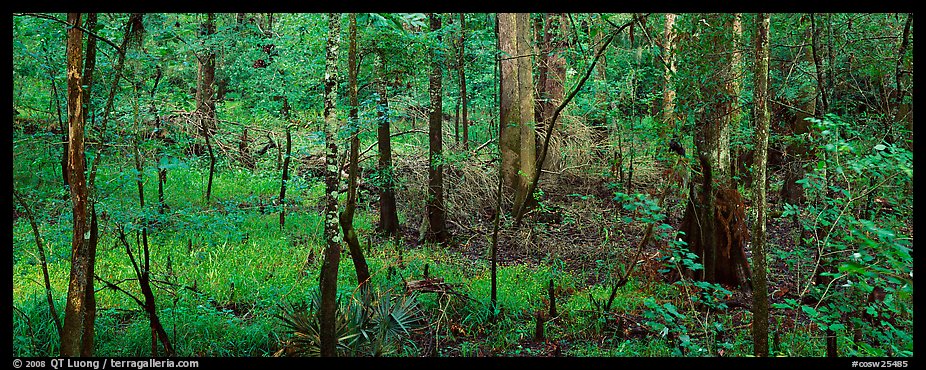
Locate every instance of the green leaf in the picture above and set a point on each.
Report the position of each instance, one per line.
(880, 147)
(810, 311)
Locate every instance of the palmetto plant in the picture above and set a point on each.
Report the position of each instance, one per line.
(375, 325)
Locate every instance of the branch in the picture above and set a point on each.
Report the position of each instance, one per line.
(519, 214)
(116, 287)
(84, 30)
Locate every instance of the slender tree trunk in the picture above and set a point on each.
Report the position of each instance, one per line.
(904, 109)
(791, 191)
(493, 253)
(735, 87)
(133, 31)
(144, 272)
(519, 212)
(328, 279)
(818, 65)
(435, 200)
(388, 217)
(668, 91)
(205, 100)
(347, 217)
(461, 60)
(40, 245)
(759, 278)
(286, 160)
(80, 310)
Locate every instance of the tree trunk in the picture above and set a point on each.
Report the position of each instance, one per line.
(714, 221)
(818, 65)
(52, 311)
(388, 216)
(205, 101)
(551, 62)
(461, 68)
(347, 217)
(516, 132)
(80, 310)
(435, 200)
(797, 151)
(328, 279)
(904, 109)
(285, 178)
(759, 279)
(735, 87)
(552, 68)
(668, 91)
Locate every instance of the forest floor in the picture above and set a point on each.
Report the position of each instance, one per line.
(580, 225)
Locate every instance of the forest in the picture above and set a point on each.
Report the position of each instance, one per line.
(462, 184)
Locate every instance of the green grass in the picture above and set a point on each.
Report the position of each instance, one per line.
(231, 242)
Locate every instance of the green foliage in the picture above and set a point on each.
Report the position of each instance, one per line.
(860, 240)
(375, 325)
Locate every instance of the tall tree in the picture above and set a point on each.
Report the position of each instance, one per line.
(461, 69)
(668, 91)
(328, 279)
(436, 230)
(799, 108)
(734, 88)
(80, 309)
(517, 138)
(713, 224)
(388, 216)
(759, 279)
(347, 216)
(551, 67)
(205, 96)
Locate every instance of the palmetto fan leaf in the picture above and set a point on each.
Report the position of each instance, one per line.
(377, 325)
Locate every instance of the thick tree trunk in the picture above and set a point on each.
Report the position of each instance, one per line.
(328, 278)
(388, 216)
(516, 133)
(759, 279)
(553, 66)
(435, 201)
(80, 310)
(347, 217)
(714, 222)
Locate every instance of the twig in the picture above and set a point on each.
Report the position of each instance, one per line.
(84, 30)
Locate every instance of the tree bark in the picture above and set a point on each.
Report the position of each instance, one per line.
(759, 278)
(328, 279)
(714, 226)
(388, 216)
(668, 91)
(461, 68)
(80, 310)
(435, 201)
(552, 68)
(516, 133)
(791, 191)
(285, 178)
(818, 65)
(205, 100)
(347, 216)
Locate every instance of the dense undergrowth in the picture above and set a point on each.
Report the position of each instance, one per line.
(225, 272)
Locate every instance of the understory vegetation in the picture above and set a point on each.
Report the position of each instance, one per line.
(596, 267)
